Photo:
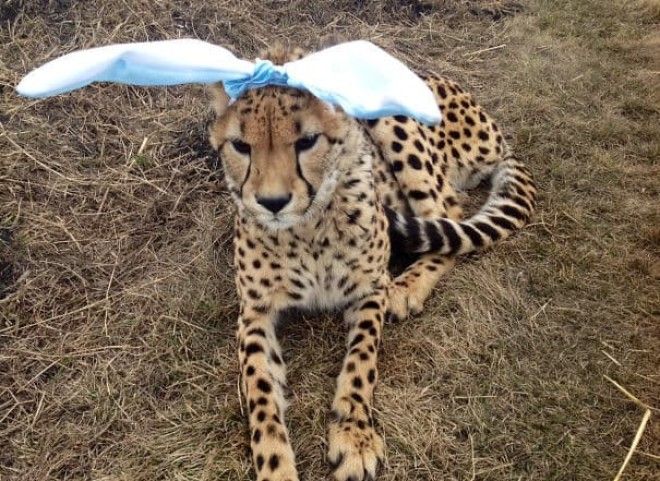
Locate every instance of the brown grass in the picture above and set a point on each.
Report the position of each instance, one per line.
(117, 311)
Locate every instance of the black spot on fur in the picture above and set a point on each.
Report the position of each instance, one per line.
(264, 386)
(400, 133)
(452, 236)
(367, 324)
(488, 230)
(276, 359)
(253, 348)
(503, 223)
(414, 162)
(435, 239)
(356, 397)
(418, 195)
(513, 212)
(370, 305)
(357, 340)
(474, 236)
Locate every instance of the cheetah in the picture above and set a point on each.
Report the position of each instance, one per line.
(324, 201)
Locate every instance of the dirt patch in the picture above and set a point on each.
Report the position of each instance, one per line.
(497, 10)
(117, 351)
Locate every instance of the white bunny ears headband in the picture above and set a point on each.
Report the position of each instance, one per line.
(357, 76)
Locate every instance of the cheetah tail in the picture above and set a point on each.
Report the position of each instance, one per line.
(509, 207)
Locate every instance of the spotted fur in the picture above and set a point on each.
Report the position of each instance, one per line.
(324, 202)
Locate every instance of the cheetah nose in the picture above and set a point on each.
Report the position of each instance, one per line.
(274, 204)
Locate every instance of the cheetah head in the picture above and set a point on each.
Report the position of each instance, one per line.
(280, 149)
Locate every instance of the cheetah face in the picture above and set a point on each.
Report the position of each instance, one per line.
(280, 150)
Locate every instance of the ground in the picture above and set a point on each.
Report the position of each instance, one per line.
(117, 310)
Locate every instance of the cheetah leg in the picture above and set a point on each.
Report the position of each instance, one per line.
(414, 285)
(263, 377)
(354, 447)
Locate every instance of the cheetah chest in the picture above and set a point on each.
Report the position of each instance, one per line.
(324, 268)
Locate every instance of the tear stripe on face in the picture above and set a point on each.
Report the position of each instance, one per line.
(323, 196)
(235, 195)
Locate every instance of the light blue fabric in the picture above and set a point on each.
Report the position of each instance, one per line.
(265, 73)
(359, 77)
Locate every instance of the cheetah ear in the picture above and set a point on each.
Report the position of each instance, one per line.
(330, 40)
(219, 98)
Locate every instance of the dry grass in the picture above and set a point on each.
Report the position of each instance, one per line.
(117, 310)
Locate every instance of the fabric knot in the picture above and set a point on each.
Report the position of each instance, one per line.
(265, 73)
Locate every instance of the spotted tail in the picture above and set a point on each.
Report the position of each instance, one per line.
(509, 207)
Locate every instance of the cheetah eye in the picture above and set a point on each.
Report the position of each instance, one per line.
(241, 147)
(306, 143)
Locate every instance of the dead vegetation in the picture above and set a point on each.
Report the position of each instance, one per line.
(117, 305)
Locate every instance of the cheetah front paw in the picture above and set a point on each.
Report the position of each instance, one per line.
(354, 450)
(403, 302)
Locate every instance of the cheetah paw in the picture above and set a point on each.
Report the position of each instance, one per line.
(404, 303)
(354, 450)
